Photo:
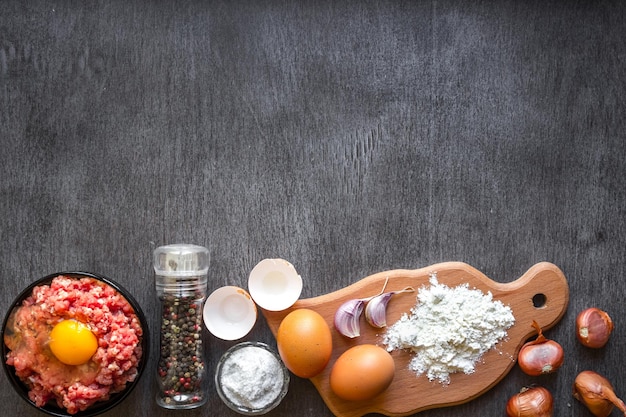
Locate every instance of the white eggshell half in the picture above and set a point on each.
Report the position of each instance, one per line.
(274, 284)
(229, 313)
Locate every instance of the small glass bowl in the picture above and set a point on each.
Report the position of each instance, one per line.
(282, 374)
(99, 407)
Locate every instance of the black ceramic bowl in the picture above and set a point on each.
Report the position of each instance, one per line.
(99, 407)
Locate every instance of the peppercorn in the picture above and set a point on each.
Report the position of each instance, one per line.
(180, 367)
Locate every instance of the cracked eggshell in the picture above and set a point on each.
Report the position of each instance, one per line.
(274, 284)
(229, 313)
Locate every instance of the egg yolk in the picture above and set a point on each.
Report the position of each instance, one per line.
(72, 342)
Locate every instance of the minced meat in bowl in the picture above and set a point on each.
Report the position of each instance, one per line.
(74, 344)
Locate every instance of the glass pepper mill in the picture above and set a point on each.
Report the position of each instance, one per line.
(181, 286)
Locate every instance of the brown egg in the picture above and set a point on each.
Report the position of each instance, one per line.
(304, 342)
(362, 372)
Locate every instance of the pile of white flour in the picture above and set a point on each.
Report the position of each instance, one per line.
(449, 329)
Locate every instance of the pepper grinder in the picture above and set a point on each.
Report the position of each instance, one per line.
(181, 287)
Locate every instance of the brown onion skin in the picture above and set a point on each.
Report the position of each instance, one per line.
(540, 356)
(596, 393)
(531, 402)
(593, 327)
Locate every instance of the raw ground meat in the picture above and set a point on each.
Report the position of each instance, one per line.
(111, 319)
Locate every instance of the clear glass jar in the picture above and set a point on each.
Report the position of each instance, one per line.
(251, 379)
(181, 285)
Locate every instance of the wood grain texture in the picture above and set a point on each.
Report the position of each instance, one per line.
(543, 280)
(347, 137)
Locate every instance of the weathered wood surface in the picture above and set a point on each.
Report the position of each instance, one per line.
(346, 137)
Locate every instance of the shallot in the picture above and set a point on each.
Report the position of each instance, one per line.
(532, 401)
(540, 356)
(593, 327)
(596, 393)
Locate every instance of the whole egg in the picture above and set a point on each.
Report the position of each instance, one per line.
(362, 372)
(304, 342)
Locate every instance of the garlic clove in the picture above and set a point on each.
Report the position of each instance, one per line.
(376, 310)
(348, 314)
(347, 317)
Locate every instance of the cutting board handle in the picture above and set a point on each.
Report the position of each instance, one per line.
(542, 293)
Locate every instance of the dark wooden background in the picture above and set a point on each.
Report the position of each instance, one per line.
(346, 137)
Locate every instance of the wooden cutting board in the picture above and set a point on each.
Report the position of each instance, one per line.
(541, 294)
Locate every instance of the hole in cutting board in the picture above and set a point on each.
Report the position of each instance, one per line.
(539, 300)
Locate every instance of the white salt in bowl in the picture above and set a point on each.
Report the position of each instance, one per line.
(274, 284)
(251, 379)
(229, 313)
